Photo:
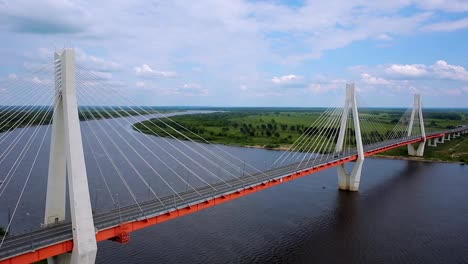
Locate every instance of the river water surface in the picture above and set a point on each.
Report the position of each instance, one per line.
(405, 212)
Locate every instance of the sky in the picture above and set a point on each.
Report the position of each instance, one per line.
(251, 52)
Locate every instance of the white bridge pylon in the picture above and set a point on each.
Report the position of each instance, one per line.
(350, 180)
(66, 162)
(417, 110)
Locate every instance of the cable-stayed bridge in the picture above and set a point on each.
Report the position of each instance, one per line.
(82, 125)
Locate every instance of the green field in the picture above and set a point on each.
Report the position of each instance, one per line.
(279, 129)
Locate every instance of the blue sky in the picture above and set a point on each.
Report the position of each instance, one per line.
(251, 53)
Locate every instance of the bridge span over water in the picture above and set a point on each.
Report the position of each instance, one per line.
(340, 135)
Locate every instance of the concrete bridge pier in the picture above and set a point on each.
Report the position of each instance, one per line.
(349, 181)
(447, 137)
(432, 142)
(440, 140)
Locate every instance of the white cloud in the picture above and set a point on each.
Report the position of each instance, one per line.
(286, 79)
(146, 70)
(290, 80)
(446, 5)
(325, 87)
(189, 89)
(440, 70)
(444, 70)
(96, 63)
(225, 39)
(369, 79)
(140, 84)
(448, 26)
(46, 17)
(384, 37)
(12, 76)
(406, 70)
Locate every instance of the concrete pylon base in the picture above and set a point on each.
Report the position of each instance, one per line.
(416, 152)
(350, 181)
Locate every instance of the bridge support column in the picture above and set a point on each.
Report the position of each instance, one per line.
(350, 180)
(432, 142)
(67, 162)
(447, 137)
(417, 109)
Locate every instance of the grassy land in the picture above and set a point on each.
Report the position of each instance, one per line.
(268, 129)
(20, 117)
(455, 150)
(279, 129)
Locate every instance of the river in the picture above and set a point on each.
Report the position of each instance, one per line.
(405, 212)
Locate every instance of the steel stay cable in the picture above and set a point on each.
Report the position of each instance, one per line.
(321, 137)
(25, 184)
(198, 136)
(332, 126)
(300, 138)
(155, 154)
(330, 149)
(87, 143)
(191, 140)
(127, 160)
(310, 141)
(323, 131)
(124, 181)
(162, 161)
(9, 176)
(337, 118)
(36, 109)
(183, 153)
(196, 152)
(396, 129)
(31, 74)
(306, 137)
(144, 160)
(322, 134)
(19, 111)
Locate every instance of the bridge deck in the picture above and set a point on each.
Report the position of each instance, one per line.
(57, 239)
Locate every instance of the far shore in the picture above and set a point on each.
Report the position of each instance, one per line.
(378, 156)
(415, 159)
(284, 148)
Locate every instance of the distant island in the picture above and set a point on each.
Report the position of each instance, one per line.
(279, 128)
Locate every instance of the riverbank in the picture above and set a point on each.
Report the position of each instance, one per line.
(422, 159)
